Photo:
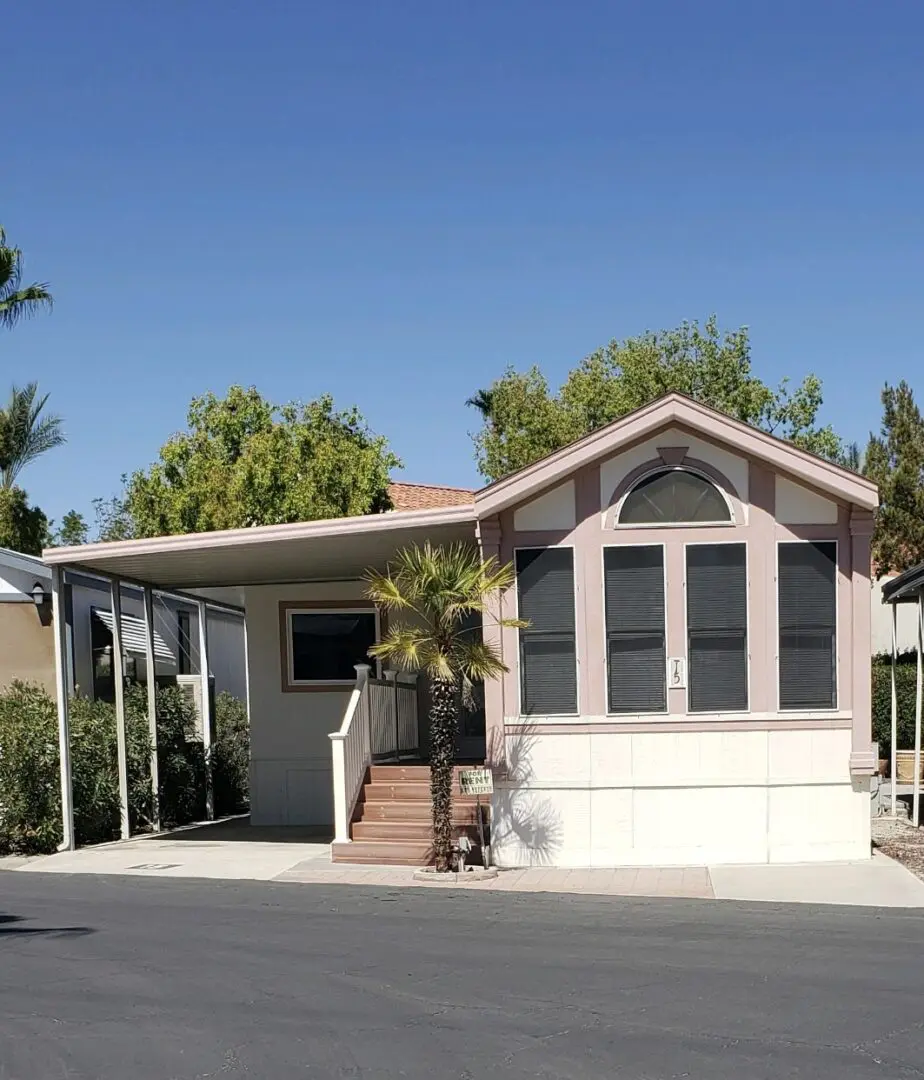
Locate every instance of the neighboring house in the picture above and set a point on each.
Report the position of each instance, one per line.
(27, 635)
(693, 685)
(905, 618)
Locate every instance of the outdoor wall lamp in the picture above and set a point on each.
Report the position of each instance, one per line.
(39, 595)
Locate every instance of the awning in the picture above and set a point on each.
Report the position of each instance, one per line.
(133, 635)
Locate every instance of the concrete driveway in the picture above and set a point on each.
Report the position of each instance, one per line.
(235, 850)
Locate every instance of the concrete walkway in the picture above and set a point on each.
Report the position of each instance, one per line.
(234, 850)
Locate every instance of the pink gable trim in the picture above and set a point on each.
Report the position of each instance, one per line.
(677, 409)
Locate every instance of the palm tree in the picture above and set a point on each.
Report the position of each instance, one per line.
(439, 587)
(24, 433)
(483, 401)
(16, 302)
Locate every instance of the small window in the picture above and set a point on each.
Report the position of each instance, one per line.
(808, 625)
(184, 643)
(326, 646)
(636, 658)
(674, 497)
(717, 622)
(548, 656)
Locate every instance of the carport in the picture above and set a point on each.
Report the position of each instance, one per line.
(907, 588)
(261, 572)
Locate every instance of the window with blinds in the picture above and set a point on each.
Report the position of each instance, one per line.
(636, 659)
(717, 628)
(807, 590)
(548, 656)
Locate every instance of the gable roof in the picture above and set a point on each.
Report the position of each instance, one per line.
(665, 411)
(427, 496)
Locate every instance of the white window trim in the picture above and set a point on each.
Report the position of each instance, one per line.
(698, 714)
(629, 717)
(657, 471)
(789, 710)
(290, 612)
(536, 717)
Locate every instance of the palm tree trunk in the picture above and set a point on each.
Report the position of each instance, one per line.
(443, 723)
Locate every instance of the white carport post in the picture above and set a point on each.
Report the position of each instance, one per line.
(118, 682)
(149, 661)
(916, 785)
(64, 733)
(206, 708)
(893, 763)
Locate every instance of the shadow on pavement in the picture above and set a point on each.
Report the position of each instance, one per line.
(6, 930)
(239, 830)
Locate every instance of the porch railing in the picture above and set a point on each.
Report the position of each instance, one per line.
(379, 724)
(393, 717)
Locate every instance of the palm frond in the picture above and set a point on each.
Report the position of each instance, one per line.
(476, 661)
(404, 646)
(385, 591)
(24, 433)
(16, 303)
(22, 303)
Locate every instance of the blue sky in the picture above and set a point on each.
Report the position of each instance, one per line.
(393, 201)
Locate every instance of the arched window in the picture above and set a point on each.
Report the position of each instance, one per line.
(673, 497)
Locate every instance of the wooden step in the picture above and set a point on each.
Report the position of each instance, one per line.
(411, 791)
(380, 773)
(413, 810)
(383, 852)
(404, 830)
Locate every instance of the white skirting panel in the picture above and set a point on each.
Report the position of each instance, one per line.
(292, 791)
(662, 799)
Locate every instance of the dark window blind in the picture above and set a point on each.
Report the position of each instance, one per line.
(633, 580)
(808, 625)
(717, 621)
(548, 657)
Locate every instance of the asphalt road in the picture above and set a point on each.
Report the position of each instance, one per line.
(136, 979)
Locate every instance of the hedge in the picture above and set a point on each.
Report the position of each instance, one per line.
(30, 794)
(905, 680)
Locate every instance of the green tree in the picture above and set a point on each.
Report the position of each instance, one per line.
(113, 520)
(523, 420)
(17, 300)
(73, 531)
(25, 434)
(245, 461)
(22, 527)
(438, 588)
(895, 461)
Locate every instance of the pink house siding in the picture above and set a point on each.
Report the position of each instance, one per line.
(782, 768)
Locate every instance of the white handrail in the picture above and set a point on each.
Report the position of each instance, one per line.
(351, 753)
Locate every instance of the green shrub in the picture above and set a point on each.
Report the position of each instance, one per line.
(905, 680)
(30, 791)
(231, 756)
(180, 759)
(95, 770)
(30, 785)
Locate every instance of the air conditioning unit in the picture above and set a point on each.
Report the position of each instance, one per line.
(191, 685)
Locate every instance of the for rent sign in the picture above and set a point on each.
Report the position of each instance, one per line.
(476, 781)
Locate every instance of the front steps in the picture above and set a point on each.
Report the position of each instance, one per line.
(391, 824)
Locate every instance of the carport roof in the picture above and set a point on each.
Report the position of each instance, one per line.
(335, 549)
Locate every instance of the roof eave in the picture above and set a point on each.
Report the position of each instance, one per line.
(393, 521)
(675, 408)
